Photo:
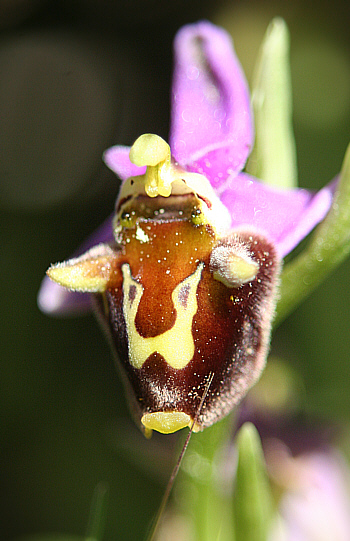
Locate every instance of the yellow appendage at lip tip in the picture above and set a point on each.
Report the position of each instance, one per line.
(151, 150)
(167, 422)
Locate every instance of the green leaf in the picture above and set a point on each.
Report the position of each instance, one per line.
(273, 159)
(202, 491)
(252, 494)
(329, 246)
(98, 514)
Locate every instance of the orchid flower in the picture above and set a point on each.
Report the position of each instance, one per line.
(212, 134)
(234, 231)
(200, 187)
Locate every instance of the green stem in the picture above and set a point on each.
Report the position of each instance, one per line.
(201, 489)
(98, 514)
(329, 246)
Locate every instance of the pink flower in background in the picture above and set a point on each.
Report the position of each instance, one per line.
(315, 501)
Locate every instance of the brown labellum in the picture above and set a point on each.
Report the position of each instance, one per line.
(182, 306)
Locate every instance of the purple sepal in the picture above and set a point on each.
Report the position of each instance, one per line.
(211, 121)
(285, 216)
(55, 300)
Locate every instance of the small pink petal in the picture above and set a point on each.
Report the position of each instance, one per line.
(117, 159)
(211, 121)
(285, 216)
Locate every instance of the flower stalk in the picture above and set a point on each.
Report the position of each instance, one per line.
(328, 247)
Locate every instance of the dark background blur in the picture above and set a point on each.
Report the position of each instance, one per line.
(76, 77)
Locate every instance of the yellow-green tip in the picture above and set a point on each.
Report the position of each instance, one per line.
(88, 276)
(167, 422)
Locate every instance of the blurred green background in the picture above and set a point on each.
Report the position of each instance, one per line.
(75, 78)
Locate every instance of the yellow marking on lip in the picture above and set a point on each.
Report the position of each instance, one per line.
(176, 345)
(141, 235)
